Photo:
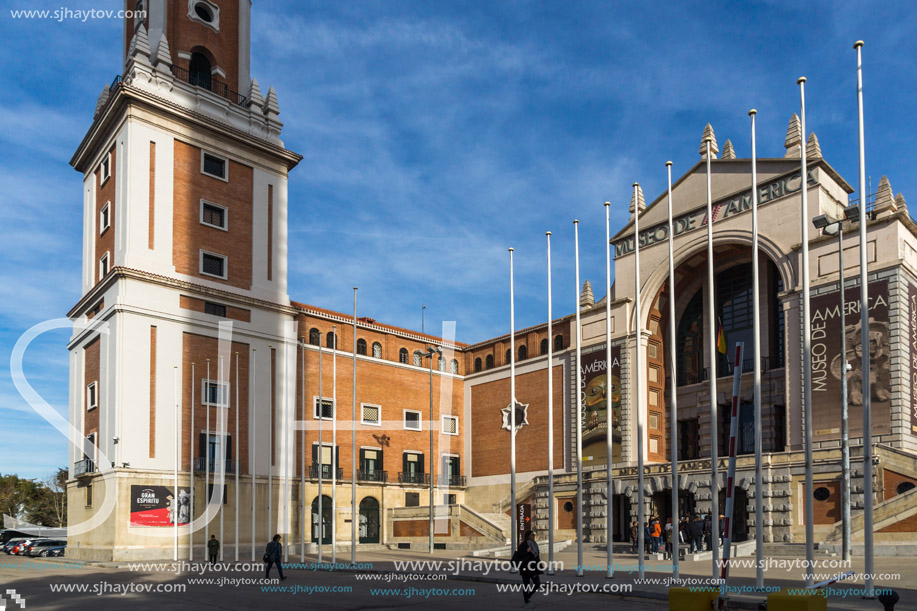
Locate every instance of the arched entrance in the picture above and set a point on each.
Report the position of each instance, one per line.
(739, 513)
(326, 520)
(622, 519)
(369, 520)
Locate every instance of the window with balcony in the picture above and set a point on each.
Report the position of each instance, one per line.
(200, 71)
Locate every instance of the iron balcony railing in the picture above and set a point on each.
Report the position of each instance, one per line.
(202, 465)
(326, 472)
(218, 87)
(451, 480)
(83, 467)
(727, 369)
(372, 476)
(414, 478)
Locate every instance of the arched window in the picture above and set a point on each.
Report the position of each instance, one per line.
(403, 356)
(441, 364)
(523, 353)
(490, 361)
(377, 350)
(690, 342)
(509, 356)
(315, 337)
(418, 358)
(331, 340)
(558, 343)
(477, 365)
(361, 346)
(454, 366)
(735, 306)
(199, 71)
(544, 346)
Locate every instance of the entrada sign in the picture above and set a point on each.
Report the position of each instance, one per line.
(696, 219)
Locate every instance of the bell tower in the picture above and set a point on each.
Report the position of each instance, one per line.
(184, 230)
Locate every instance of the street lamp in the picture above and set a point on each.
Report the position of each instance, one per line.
(830, 227)
(431, 352)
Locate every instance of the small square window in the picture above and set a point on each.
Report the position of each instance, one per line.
(92, 396)
(104, 266)
(213, 215)
(372, 415)
(214, 393)
(104, 218)
(412, 499)
(412, 420)
(216, 309)
(105, 169)
(213, 265)
(213, 165)
(225, 492)
(327, 409)
(450, 425)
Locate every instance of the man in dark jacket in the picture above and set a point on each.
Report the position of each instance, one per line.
(213, 548)
(272, 555)
(697, 533)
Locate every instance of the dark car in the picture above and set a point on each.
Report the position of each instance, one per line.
(10, 544)
(38, 547)
(54, 551)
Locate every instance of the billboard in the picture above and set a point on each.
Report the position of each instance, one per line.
(827, 364)
(157, 506)
(595, 398)
(912, 346)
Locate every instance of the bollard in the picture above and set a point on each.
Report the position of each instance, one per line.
(889, 600)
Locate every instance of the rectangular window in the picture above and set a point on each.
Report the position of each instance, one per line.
(450, 425)
(91, 438)
(214, 215)
(210, 492)
(214, 393)
(449, 499)
(89, 495)
(213, 265)
(104, 266)
(327, 409)
(216, 309)
(105, 169)
(213, 165)
(654, 421)
(371, 414)
(92, 396)
(412, 499)
(412, 420)
(104, 218)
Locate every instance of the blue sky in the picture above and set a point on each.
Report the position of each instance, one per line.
(437, 134)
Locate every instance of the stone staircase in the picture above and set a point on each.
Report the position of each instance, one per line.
(885, 514)
(501, 521)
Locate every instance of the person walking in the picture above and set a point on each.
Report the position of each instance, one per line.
(633, 537)
(668, 538)
(528, 557)
(272, 555)
(698, 534)
(647, 538)
(213, 548)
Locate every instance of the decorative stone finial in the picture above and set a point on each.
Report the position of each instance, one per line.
(255, 99)
(140, 44)
(640, 200)
(586, 297)
(100, 103)
(270, 103)
(793, 142)
(708, 135)
(885, 200)
(900, 203)
(728, 151)
(163, 59)
(813, 149)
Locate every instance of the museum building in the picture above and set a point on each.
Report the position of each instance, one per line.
(196, 376)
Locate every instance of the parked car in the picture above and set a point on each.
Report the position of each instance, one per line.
(9, 545)
(41, 545)
(23, 548)
(54, 551)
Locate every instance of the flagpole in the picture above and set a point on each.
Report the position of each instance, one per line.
(714, 421)
(302, 456)
(512, 406)
(353, 437)
(609, 449)
(864, 330)
(320, 453)
(191, 468)
(579, 415)
(334, 445)
(236, 454)
(205, 399)
(221, 459)
(177, 438)
(806, 345)
(638, 364)
(673, 367)
(252, 442)
(550, 570)
(756, 354)
(270, 448)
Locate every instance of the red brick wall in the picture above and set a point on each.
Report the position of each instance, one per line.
(490, 448)
(197, 349)
(105, 194)
(190, 236)
(91, 367)
(892, 481)
(420, 528)
(531, 340)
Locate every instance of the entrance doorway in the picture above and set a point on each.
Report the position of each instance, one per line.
(566, 513)
(739, 514)
(326, 520)
(621, 505)
(369, 520)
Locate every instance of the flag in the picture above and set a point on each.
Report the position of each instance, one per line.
(720, 337)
